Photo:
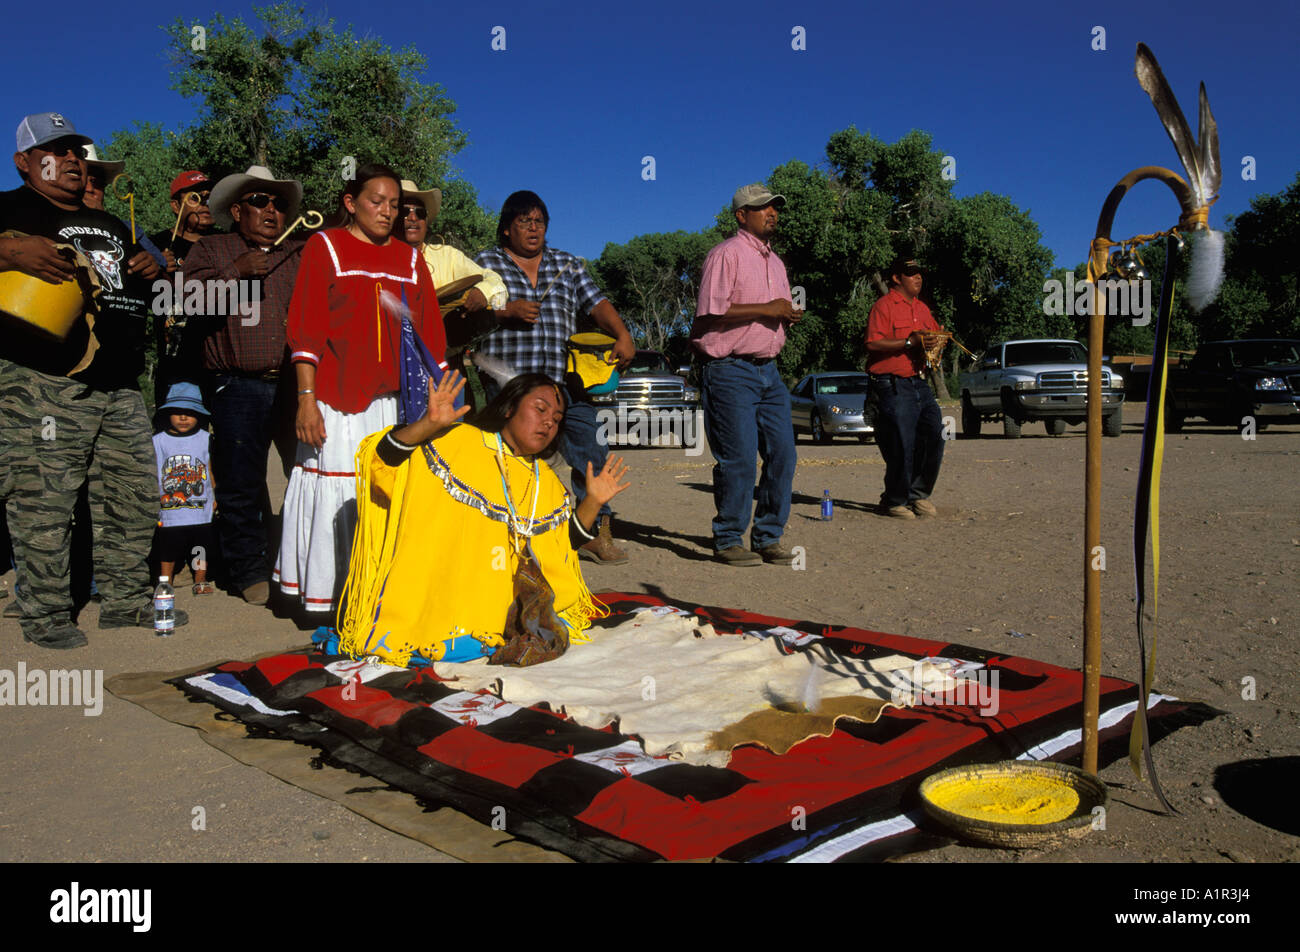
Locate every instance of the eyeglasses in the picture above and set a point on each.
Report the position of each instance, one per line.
(261, 200)
(419, 211)
(531, 224)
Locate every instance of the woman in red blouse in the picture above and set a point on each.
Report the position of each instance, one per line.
(345, 347)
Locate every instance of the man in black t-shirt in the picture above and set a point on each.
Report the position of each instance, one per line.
(58, 411)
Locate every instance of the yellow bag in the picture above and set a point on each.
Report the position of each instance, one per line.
(590, 366)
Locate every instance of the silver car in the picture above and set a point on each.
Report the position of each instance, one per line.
(830, 404)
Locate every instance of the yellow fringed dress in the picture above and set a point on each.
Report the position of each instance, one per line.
(435, 555)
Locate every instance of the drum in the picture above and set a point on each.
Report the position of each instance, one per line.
(50, 309)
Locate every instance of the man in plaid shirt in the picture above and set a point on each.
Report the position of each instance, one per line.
(252, 396)
(549, 290)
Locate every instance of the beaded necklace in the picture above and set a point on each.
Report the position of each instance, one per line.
(520, 531)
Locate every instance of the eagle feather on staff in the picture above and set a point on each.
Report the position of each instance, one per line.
(1200, 160)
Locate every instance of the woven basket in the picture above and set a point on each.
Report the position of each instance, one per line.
(1092, 793)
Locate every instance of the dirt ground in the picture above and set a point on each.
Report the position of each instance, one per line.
(1001, 568)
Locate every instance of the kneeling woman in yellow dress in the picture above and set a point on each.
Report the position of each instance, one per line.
(465, 542)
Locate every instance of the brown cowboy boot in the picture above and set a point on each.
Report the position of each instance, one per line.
(602, 548)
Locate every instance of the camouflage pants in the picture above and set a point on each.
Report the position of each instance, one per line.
(51, 431)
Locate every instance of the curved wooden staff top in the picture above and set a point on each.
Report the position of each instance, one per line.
(191, 198)
(312, 219)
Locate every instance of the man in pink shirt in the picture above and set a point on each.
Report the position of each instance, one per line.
(743, 308)
(909, 426)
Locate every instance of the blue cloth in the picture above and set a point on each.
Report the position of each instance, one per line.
(464, 648)
(569, 293)
(326, 639)
(747, 414)
(418, 367)
(909, 432)
(147, 245)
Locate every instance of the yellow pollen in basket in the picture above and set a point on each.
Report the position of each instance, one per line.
(1016, 799)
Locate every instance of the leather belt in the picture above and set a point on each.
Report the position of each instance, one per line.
(747, 358)
(269, 375)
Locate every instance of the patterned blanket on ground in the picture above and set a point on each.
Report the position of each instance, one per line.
(596, 795)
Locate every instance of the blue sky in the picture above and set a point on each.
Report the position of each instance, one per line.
(716, 94)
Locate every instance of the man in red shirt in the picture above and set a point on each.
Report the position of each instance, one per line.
(909, 427)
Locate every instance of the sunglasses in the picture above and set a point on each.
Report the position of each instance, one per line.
(261, 200)
(531, 224)
(419, 211)
(59, 148)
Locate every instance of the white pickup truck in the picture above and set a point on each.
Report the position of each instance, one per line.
(1023, 380)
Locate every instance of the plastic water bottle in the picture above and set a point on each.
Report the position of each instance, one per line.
(828, 507)
(164, 618)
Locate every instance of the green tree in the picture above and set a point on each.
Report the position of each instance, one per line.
(986, 271)
(653, 281)
(311, 103)
(873, 200)
(152, 161)
(1260, 295)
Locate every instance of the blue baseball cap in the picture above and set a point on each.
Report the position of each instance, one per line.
(42, 127)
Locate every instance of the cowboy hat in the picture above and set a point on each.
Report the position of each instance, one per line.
(431, 199)
(110, 170)
(258, 178)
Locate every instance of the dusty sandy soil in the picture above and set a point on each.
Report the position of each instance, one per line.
(1005, 555)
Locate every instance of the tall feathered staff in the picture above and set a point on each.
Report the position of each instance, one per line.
(1200, 160)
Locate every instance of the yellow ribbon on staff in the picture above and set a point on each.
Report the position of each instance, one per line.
(1158, 457)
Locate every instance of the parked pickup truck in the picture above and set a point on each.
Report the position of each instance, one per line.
(653, 406)
(1228, 381)
(1023, 380)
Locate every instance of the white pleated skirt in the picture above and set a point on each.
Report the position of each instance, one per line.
(320, 506)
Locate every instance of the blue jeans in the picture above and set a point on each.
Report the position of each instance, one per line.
(747, 414)
(909, 432)
(248, 415)
(578, 445)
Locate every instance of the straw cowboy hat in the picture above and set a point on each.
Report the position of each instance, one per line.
(431, 199)
(109, 170)
(258, 178)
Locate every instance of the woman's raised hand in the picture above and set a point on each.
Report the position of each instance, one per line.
(442, 412)
(607, 484)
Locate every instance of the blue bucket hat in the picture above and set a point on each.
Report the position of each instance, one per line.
(185, 396)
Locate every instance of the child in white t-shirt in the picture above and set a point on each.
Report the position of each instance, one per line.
(184, 534)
